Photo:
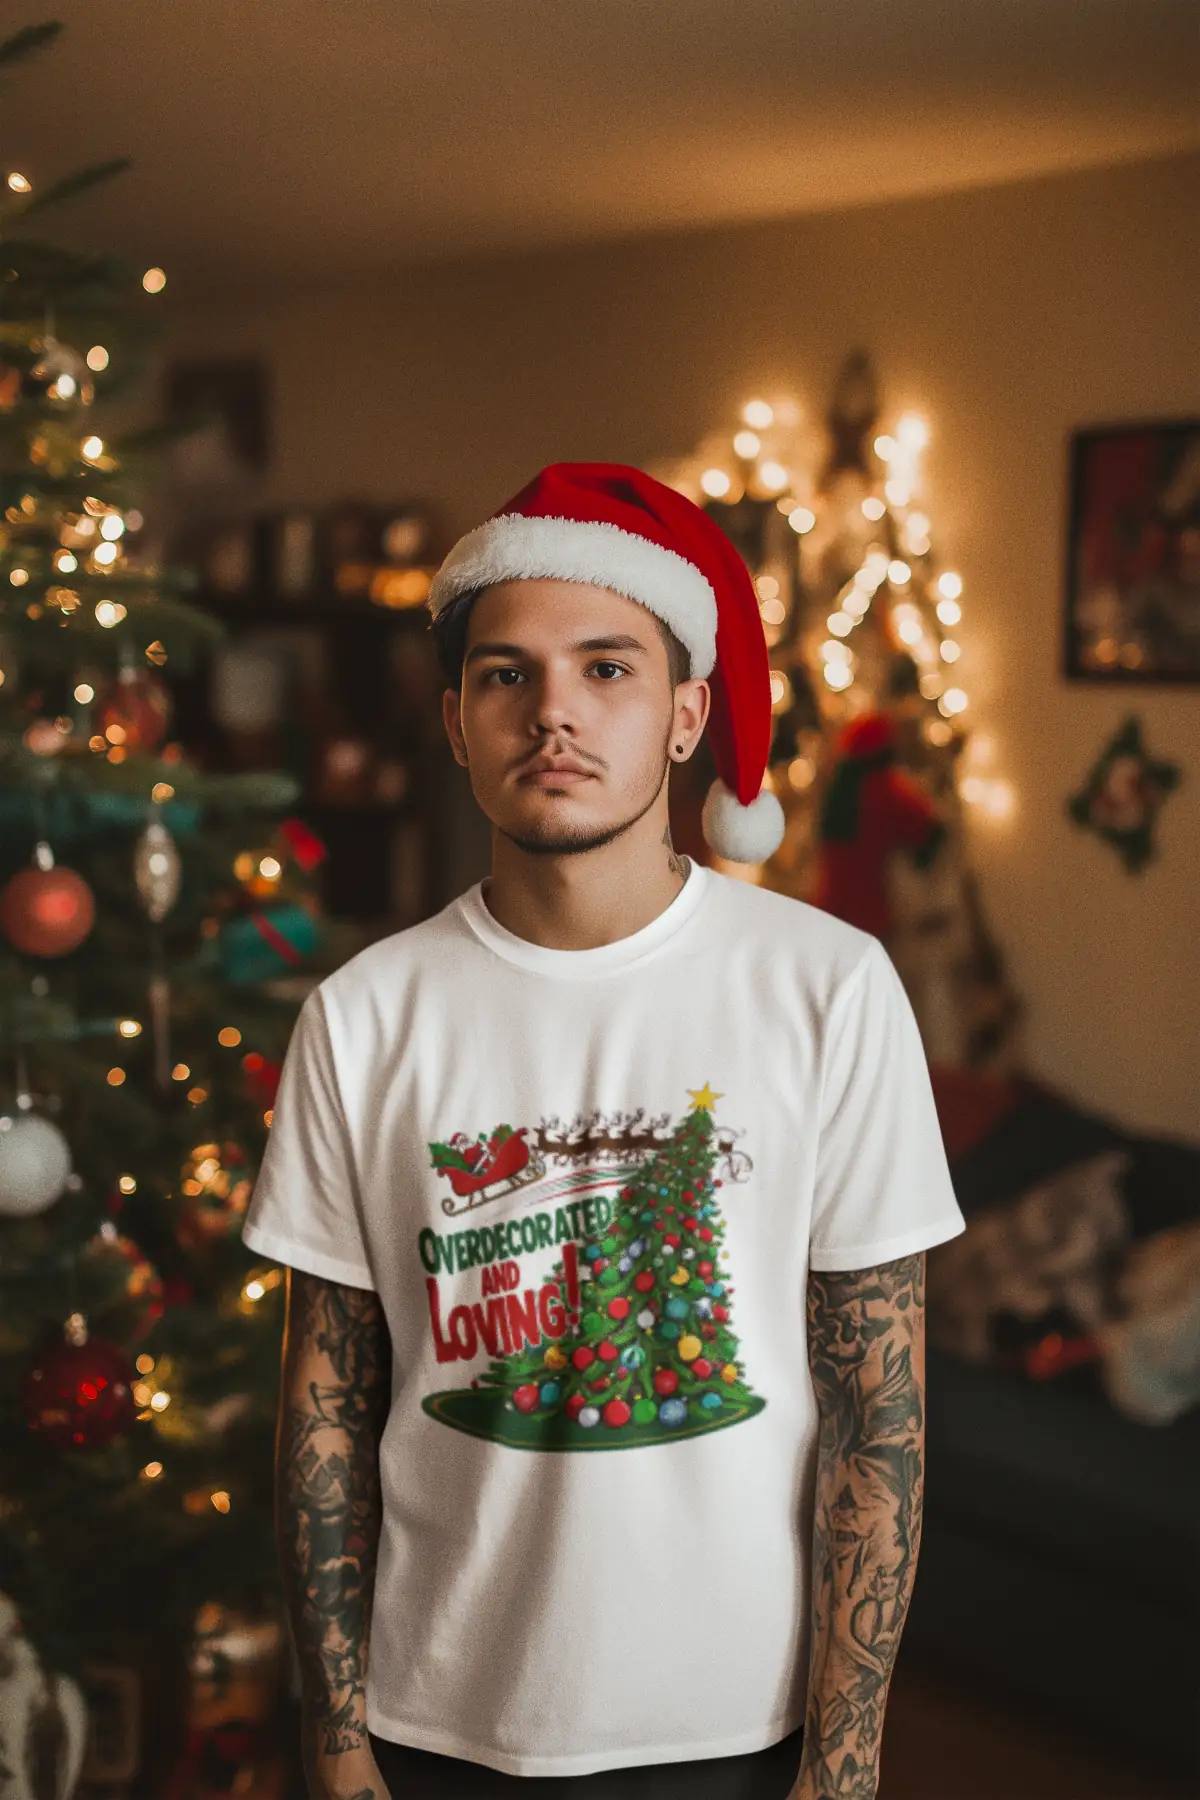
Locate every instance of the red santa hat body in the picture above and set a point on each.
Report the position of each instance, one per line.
(619, 528)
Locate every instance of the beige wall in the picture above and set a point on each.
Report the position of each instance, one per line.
(1007, 316)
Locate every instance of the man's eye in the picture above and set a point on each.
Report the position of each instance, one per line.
(505, 677)
(608, 670)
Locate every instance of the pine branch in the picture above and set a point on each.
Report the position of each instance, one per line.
(28, 41)
(70, 186)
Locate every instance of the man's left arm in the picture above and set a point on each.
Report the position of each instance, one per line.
(866, 1348)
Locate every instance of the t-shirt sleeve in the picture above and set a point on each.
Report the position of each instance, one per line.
(882, 1187)
(304, 1210)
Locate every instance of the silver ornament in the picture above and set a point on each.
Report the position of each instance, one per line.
(35, 1163)
(156, 871)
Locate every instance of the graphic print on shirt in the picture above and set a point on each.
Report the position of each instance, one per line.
(628, 1340)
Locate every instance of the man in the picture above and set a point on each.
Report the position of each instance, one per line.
(615, 1155)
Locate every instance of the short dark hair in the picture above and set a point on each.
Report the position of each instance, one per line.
(450, 641)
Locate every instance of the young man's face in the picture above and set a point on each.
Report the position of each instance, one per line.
(566, 718)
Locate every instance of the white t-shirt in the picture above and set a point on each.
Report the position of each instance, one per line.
(588, 1186)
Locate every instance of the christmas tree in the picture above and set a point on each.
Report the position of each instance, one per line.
(640, 1347)
(154, 925)
(872, 755)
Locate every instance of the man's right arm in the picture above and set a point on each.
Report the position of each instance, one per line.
(333, 1407)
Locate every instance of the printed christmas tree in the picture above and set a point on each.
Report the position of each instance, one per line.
(648, 1352)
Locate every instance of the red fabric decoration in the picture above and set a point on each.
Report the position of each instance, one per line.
(872, 809)
(306, 847)
(970, 1103)
(1055, 1354)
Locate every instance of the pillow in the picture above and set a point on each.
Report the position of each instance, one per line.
(1150, 1364)
(1037, 1268)
(1042, 1133)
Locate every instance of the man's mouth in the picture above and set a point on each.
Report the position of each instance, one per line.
(553, 771)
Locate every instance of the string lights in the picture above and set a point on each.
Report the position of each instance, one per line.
(860, 583)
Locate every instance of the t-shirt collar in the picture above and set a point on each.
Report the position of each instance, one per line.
(604, 959)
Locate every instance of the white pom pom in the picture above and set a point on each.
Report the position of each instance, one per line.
(739, 833)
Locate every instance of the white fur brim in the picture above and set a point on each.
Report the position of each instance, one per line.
(515, 548)
(748, 834)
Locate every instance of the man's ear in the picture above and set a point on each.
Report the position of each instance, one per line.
(692, 698)
(452, 719)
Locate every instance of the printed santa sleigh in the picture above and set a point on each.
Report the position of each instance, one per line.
(487, 1169)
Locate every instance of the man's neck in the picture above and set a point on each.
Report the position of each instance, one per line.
(595, 897)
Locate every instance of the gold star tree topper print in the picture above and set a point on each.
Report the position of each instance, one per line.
(704, 1098)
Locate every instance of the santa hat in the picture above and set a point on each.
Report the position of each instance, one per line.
(617, 527)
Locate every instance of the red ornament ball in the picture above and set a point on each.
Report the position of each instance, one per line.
(643, 1281)
(79, 1396)
(702, 1368)
(618, 1307)
(47, 912)
(665, 1381)
(608, 1351)
(525, 1398)
(616, 1412)
(139, 707)
(582, 1357)
(575, 1406)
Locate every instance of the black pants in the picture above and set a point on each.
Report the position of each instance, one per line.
(413, 1774)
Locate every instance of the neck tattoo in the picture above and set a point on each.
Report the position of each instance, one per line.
(677, 864)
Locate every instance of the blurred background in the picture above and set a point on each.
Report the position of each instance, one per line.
(905, 294)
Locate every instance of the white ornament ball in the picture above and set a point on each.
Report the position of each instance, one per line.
(588, 1416)
(35, 1162)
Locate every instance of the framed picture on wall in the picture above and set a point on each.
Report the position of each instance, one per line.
(1133, 554)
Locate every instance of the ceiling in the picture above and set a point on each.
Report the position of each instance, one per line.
(315, 140)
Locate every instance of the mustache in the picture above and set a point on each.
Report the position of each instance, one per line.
(574, 751)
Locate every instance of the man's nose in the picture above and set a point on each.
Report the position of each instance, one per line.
(553, 705)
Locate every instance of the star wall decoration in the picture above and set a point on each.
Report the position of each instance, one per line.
(1122, 794)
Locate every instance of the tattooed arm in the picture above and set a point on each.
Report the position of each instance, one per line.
(866, 1344)
(333, 1406)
